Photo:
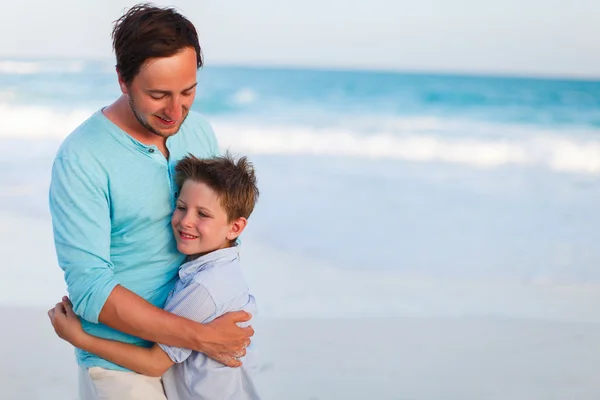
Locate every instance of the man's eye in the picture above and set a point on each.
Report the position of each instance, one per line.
(157, 97)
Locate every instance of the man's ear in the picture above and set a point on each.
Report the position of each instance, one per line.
(122, 84)
(236, 228)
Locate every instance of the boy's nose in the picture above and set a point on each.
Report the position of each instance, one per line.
(186, 221)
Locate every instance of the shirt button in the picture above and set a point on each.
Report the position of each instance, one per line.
(151, 150)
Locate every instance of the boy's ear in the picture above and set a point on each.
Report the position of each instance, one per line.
(237, 226)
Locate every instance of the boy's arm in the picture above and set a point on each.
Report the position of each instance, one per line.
(80, 212)
(147, 361)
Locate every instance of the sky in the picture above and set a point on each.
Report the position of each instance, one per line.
(523, 37)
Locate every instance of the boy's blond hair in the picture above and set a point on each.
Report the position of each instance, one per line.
(233, 181)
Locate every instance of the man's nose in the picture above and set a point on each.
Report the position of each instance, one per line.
(174, 109)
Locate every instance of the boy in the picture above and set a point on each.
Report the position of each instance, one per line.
(216, 199)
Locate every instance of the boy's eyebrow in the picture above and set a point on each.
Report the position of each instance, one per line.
(204, 209)
(158, 91)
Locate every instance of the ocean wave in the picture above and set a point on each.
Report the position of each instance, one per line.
(415, 139)
(39, 121)
(539, 148)
(245, 96)
(17, 67)
(7, 95)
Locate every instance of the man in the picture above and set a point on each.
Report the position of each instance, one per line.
(111, 197)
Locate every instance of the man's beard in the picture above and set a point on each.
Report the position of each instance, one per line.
(149, 127)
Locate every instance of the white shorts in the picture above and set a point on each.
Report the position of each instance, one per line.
(98, 383)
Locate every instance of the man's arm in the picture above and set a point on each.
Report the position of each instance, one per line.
(220, 339)
(195, 303)
(79, 204)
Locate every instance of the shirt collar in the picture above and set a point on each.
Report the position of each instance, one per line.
(226, 255)
(129, 141)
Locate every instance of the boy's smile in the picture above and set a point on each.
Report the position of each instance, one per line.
(185, 236)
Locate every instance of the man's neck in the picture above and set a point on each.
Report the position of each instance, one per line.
(120, 114)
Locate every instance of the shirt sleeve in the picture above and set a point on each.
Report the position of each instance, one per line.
(193, 302)
(79, 206)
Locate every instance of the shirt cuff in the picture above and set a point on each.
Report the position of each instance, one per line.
(176, 354)
(90, 309)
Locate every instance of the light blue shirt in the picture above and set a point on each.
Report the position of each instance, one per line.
(209, 287)
(111, 199)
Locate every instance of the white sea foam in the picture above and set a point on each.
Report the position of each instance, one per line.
(17, 67)
(245, 96)
(39, 121)
(543, 149)
(7, 95)
(411, 139)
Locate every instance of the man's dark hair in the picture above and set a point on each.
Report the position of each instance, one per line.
(146, 31)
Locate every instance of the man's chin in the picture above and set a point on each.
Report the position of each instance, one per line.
(165, 133)
(162, 130)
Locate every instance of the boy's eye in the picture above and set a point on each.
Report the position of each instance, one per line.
(181, 208)
(200, 213)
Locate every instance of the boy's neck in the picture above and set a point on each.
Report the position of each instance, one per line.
(193, 257)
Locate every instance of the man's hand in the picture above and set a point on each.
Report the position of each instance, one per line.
(224, 341)
(66, 324)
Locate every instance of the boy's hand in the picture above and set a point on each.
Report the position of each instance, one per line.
(227, 341)
(66, 323)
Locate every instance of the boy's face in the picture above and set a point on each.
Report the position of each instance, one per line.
(200, 222)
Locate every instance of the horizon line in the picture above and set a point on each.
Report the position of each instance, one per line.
(483, 73)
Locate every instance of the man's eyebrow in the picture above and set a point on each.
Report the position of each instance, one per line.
(191, 87)
(158, 91)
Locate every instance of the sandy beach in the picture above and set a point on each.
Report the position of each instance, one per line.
(332, 355)
(403, 358)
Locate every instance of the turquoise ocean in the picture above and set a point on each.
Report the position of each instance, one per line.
(382, 193)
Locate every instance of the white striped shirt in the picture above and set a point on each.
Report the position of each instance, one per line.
(209, 287)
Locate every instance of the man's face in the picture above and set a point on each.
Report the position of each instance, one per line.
(162, 93)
